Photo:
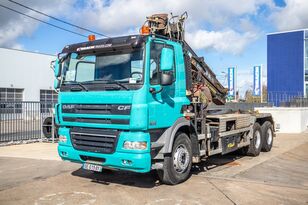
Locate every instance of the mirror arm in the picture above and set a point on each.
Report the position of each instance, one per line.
(153, 91)
(52, 65)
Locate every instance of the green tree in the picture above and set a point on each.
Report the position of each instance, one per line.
(248, 96)
(264, 93)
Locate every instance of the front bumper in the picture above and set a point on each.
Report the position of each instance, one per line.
(139, 160)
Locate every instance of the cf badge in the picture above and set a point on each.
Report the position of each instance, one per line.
(124, 107)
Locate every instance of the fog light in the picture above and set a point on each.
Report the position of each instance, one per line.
(135, 145)
(64, 154)
(62, 138)
(126, 162)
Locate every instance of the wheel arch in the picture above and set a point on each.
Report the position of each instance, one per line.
(181, 125)
(262, 120)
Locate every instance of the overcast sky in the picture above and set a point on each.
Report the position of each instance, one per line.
(226, 32)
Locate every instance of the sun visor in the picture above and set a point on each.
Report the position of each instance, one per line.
(108, 44)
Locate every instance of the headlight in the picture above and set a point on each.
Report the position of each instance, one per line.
(62, 138)
(135, 145)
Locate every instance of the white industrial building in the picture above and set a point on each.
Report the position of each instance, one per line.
(26, 76)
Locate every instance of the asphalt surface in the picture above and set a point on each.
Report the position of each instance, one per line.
(31, 174)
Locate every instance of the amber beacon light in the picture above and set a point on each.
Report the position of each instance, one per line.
(145, 30)
(91, 37)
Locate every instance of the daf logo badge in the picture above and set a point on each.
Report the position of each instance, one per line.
(124, 107)
(68, 106)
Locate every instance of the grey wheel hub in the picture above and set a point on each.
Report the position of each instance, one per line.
(269, 136)
(257, 139)
(181, 159)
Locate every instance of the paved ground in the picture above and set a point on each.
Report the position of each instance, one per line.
(32, 174)
(41, 151)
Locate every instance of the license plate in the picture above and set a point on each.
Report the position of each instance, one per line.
(92, 167)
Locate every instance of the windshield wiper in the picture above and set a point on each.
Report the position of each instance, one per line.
(78, 83)
(118, 83)
(112, 81)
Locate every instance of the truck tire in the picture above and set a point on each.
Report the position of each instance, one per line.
(267, 135)
(47, 126)
(177, 165)
(255, 145)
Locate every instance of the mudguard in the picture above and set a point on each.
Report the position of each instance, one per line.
(167, 138)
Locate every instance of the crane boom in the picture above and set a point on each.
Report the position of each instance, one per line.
(198, 73)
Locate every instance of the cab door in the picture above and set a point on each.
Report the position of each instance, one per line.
(163, 101)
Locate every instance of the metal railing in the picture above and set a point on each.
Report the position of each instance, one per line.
(287, 99)
(235, 106)
(295, 102)
(22, 121)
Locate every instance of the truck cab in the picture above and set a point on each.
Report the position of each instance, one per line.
(117, 97)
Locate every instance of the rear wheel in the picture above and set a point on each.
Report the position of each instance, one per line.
(47, 126)
(267, 135)
(176, 168)
(255, 145)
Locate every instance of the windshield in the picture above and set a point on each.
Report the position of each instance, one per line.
(121, 66)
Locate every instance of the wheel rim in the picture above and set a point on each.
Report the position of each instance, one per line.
(269, 136)
(181, 159)
(257, 139)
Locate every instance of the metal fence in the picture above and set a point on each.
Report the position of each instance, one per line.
(239, 106)
(287, 99)
(295, 102)
(20, 121)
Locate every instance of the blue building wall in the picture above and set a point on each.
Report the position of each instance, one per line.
(285, 66)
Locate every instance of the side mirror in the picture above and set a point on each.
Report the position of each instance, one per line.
(166, 78)
(56, 84)
(166, 59)
(57, 68)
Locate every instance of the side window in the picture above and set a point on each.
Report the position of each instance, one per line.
(136, 69)
(153, 72)
(79, 69)
(156, 49)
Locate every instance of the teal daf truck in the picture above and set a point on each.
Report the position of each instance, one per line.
(139, 103)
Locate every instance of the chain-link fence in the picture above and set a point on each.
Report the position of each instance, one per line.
(23, 121)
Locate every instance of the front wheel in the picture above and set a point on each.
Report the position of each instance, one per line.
(177, 165)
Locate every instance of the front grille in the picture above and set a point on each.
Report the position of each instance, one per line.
(94, 140)
(96, 120)
(107, 109)
(96, 109)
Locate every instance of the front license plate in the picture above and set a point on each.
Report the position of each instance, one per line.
(92, 167)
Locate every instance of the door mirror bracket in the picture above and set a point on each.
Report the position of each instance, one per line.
(154, 91)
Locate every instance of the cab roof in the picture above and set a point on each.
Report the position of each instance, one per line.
(132, 41)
